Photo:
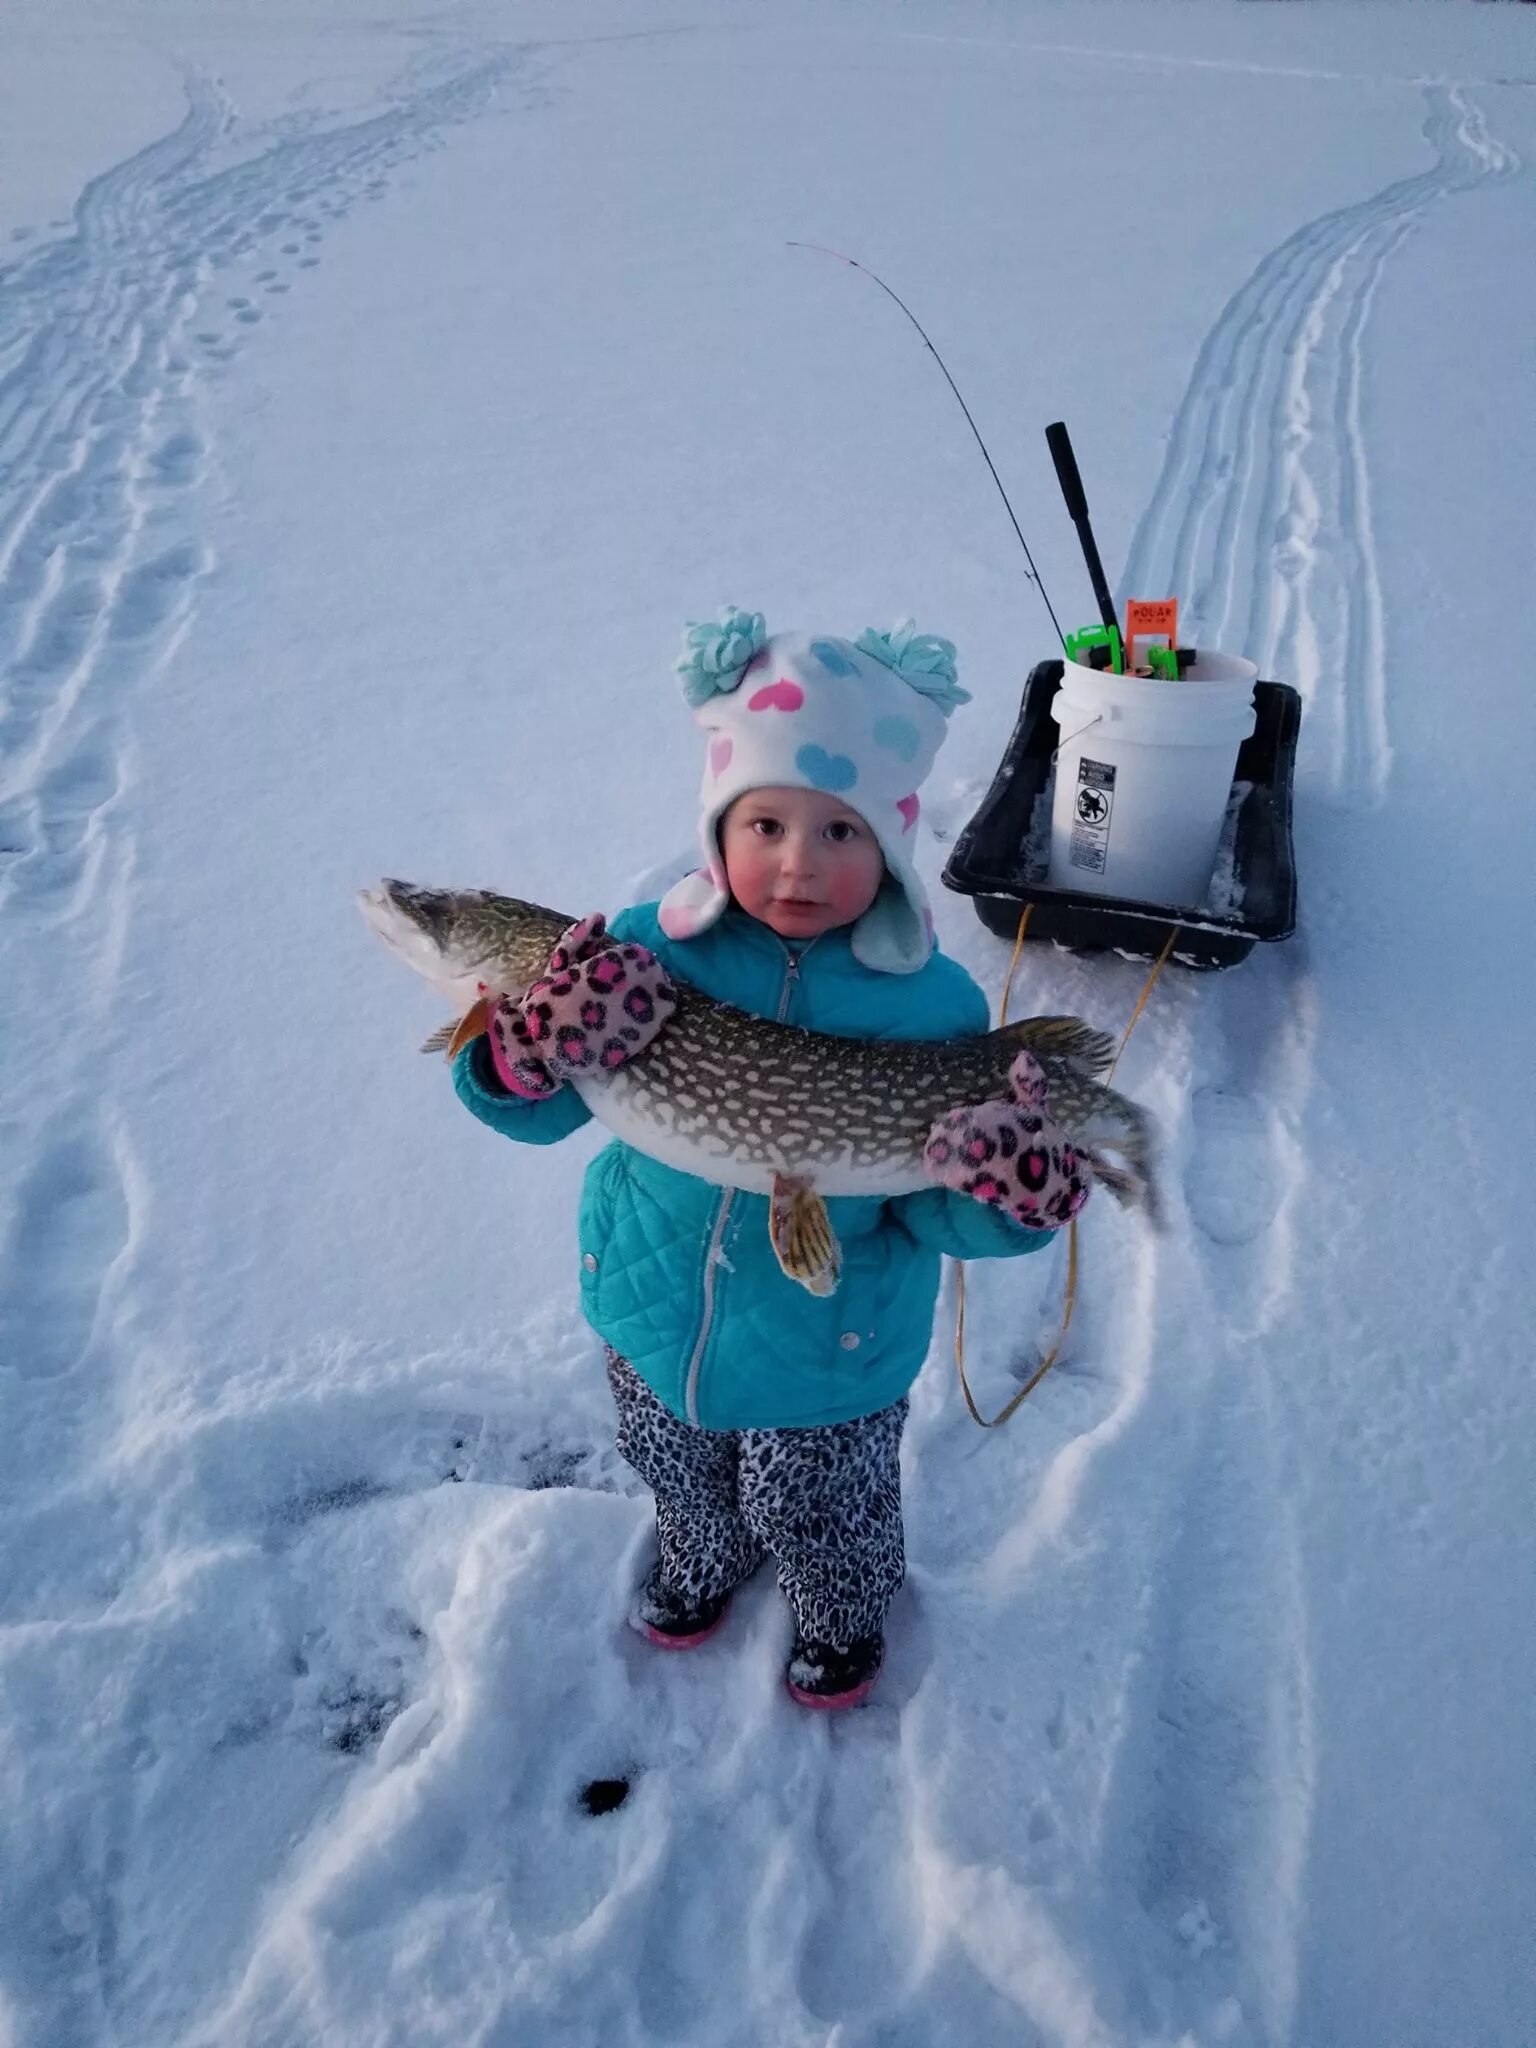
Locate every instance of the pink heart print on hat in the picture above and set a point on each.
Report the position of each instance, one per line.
(909, 806)
(780, 696)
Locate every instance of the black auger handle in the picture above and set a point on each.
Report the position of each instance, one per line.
(1059, 441)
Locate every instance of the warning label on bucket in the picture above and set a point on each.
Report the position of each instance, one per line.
(1091, 814)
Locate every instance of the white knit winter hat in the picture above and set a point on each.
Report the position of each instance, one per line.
(860, 720)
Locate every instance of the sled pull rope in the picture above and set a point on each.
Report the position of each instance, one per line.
(1070, 1301)
(1034, 574)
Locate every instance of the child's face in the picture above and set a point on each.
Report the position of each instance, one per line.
(799, 860)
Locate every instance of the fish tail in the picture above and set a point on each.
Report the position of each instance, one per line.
(1134, 1183)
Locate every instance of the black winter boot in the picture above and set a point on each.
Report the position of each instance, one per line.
(671, 1622)
(821, 1676)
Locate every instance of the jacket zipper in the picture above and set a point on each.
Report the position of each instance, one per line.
(791, 978)
(714, 1256)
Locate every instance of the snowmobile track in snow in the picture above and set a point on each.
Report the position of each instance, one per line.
(1261, 522)
(1189, 1769)
(1261, 519)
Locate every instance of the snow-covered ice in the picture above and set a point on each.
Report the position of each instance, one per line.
(380, 387)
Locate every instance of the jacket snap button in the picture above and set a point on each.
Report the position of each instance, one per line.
(849, 1340)
(589, 1260)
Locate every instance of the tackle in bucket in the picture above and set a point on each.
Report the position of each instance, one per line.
(1146, 790)
(1149, 737)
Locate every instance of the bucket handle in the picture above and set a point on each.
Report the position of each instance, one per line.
(1067, 738)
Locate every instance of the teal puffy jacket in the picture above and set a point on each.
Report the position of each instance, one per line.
(679, 1276)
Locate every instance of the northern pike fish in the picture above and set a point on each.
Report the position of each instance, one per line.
(749, 1103)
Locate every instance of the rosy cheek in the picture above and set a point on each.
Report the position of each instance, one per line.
(741, 869)
(855, 886)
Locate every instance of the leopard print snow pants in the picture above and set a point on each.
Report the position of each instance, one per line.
(824, 1503)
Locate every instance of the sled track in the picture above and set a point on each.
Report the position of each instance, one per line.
(1262, 520)
(1262, 514)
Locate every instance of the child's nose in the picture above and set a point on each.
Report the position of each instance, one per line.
(800, 854)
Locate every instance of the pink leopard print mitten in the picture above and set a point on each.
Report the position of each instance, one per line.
(1010, 1154)
(597, 1004)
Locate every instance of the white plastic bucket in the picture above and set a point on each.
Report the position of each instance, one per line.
(1143, 773)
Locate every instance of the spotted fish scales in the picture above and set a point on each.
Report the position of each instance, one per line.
(749, 1103)
(738, 1099)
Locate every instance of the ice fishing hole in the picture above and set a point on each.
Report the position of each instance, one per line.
(604, 1795)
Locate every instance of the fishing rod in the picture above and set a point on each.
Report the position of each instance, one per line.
(1034, 573)
(1059, 441)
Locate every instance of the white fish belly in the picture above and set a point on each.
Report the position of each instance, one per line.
(619, 1110)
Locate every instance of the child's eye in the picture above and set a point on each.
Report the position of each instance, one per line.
(841, 830)
(766, 828)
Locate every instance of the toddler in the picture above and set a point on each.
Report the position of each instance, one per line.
(765, 1419)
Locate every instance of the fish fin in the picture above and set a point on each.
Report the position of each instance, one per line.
(804, 1241)
(452, 1037)
(474, 1023)
(1062, 1038)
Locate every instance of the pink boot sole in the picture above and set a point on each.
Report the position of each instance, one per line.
(837, 1702)
(665, 1642)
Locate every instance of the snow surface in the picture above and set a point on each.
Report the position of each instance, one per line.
(379, 390)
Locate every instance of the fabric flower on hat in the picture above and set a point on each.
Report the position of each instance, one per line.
(921, 659)
(716, 653)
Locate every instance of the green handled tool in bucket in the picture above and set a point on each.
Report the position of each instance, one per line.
(1096, 647)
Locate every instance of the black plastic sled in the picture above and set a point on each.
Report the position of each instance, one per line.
(990, 861)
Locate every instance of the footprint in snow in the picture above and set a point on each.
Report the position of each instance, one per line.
(72, 1224)
(1230, 1180)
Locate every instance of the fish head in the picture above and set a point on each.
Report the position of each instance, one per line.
(466, 942)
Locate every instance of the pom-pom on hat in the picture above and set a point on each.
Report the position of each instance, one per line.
(860, 719)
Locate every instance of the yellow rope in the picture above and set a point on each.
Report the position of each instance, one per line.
(1018, 947)
(1045, 1365)
(1141, 1001)
(1070, 1301)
